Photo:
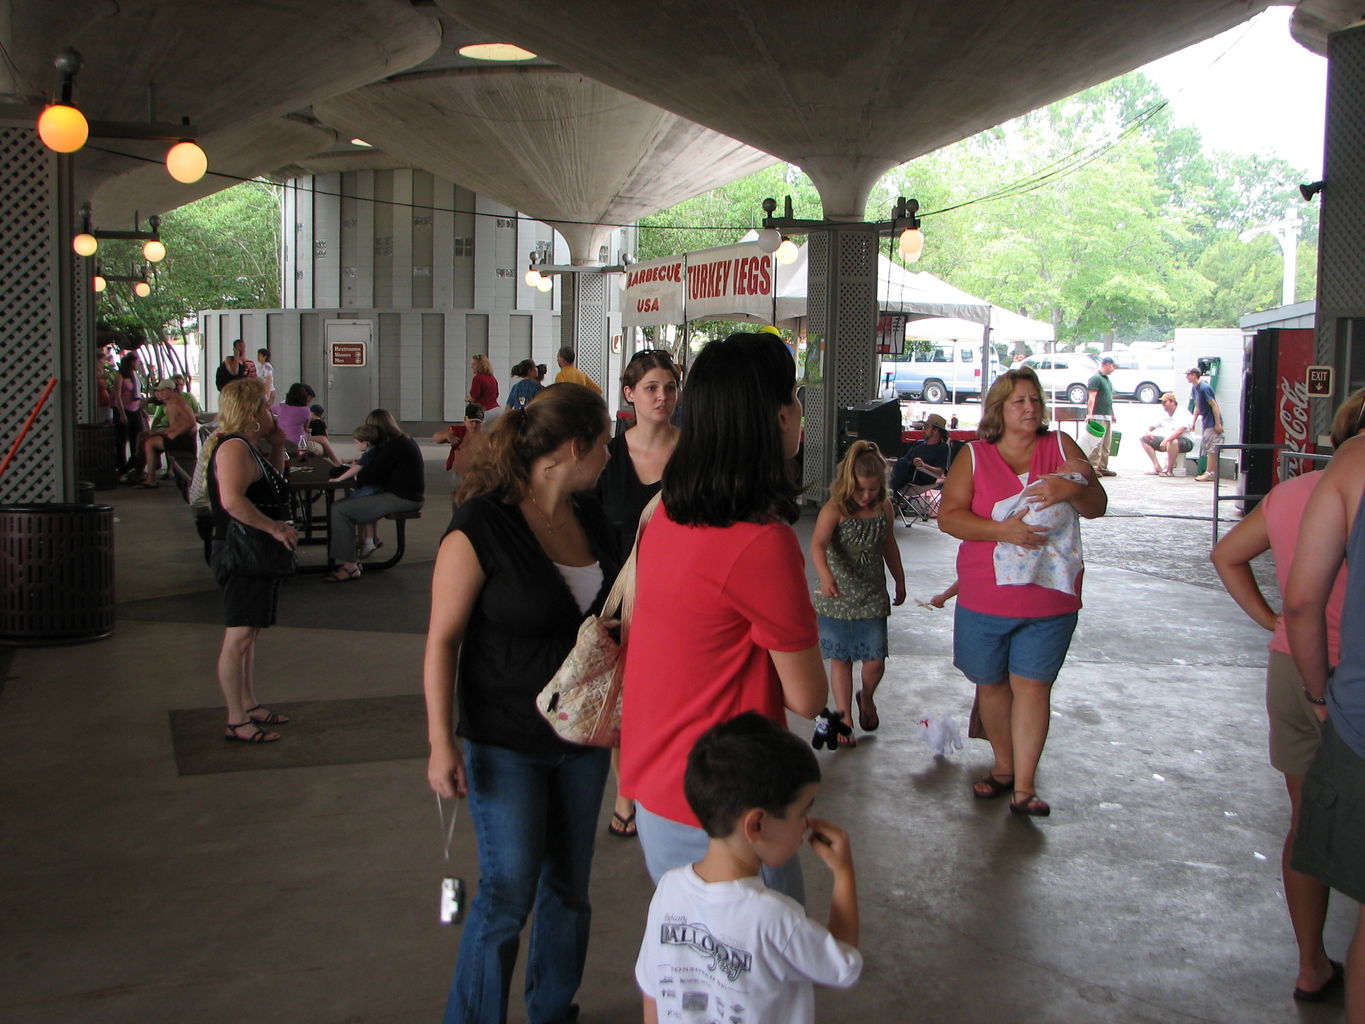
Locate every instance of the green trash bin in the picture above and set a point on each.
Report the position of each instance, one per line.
(1114, 439)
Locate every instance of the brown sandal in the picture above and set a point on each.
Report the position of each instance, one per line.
(1031, 806)
(991, 787)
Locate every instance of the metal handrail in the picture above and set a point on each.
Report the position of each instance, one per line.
(1285, 454)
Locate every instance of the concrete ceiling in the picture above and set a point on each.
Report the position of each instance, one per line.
(848, 91)
(554, 144)
(1314, 20)
(225, 64)
(235, 153)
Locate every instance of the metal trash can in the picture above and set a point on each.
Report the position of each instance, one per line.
(56, 573)
(96, 456)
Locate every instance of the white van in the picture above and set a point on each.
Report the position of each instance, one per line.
(937, 374)
(1145, 375)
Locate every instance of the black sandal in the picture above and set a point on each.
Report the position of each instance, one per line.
(259, 736)
(269, 718)
(994, 787)
(1031, 806)
(622, 828)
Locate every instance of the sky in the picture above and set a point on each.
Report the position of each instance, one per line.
(1251, 90)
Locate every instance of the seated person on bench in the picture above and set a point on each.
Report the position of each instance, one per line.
(179, 435)
(925, 462)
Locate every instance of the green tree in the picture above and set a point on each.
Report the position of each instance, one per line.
(222, 252)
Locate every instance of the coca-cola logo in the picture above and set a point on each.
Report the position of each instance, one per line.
(1294, 413)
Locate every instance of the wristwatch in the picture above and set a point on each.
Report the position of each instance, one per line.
(1319, 701)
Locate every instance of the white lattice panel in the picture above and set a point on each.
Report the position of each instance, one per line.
(28, 315)
(590, 327)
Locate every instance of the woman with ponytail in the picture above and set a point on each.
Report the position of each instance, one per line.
(527, 557)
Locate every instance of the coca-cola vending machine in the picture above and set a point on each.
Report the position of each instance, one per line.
(1275, 404)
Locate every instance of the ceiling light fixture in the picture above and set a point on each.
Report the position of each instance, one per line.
(786, 252)
(64, 129)
(496, 51)
(362, 144)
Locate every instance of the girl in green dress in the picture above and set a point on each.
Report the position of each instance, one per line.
(853, 539)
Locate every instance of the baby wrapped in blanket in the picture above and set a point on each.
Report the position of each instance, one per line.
(1057, 563)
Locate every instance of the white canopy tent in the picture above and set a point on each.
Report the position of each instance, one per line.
(939, 311)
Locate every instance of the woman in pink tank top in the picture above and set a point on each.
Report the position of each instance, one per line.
(1009, 637)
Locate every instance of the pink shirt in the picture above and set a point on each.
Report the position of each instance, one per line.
(1283, 510)
(992, 482)
(710, 603)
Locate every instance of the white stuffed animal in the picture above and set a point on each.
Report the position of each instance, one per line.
(941, 733)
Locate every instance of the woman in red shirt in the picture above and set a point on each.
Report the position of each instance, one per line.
(484, 387)
(722, 620)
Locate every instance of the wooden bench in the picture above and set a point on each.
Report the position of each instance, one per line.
(400, 520)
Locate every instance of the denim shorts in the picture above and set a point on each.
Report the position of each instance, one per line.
(988, 649)
(852, 639)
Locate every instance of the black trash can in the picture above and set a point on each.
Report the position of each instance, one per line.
(97, 454)
(56, 573)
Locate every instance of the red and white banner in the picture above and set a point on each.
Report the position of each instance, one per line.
(653, 293)
(727, 283)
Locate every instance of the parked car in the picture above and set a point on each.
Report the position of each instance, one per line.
(938, 373)
(1064, 375)
(1145, 375)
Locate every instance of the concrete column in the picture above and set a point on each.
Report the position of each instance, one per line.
(1341, 225)
(842, 339)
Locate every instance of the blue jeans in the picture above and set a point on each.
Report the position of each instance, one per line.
(669, 844)
(535, 819)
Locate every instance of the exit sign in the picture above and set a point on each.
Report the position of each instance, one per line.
(1319, 381)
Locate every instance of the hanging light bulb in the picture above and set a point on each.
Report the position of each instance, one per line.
(532, 278)
(99, 282)
(786, 252)
(769, 239)
(911, 244)
(153, 251)
(63, 128)
(545, 284)
(142, 289)
(186, 162)
(85, 244)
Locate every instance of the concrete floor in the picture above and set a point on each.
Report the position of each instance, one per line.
(1152, 894)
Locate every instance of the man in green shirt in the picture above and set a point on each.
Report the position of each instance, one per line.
(1100, 409)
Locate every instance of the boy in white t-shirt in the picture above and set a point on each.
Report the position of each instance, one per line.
(719, 944)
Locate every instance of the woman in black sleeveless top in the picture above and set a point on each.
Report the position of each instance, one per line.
(245, 487)
(527, 556)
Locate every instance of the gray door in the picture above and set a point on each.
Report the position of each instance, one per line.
(350, 373)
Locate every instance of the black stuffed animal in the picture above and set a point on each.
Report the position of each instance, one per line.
(829, 726)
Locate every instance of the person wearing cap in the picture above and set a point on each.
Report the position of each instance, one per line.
(178, 435)
(926, 461)
(1100, 410)
(1166, 436)
(1207, 414)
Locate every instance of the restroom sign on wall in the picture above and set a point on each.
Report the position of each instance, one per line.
(348, 353)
